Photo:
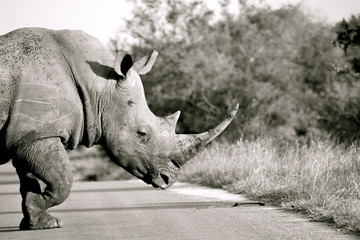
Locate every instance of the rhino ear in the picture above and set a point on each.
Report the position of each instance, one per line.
(123, 62)
(144, 65)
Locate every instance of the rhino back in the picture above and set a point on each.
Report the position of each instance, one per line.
(37, 90)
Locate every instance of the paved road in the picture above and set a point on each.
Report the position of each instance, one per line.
(133, 210)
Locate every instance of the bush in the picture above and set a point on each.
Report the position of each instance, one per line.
(275, 63)
(348, 38)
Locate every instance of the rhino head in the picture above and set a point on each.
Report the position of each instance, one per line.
(143, 144)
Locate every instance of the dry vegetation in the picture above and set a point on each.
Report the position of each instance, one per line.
(319, 179)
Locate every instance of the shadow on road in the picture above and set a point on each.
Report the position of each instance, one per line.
(9, 229)
(90, 190)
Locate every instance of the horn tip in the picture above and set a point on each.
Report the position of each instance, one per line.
(234, 111)
(155, 53)
(236, 107)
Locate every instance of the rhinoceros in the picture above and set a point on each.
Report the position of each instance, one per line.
(61, 89)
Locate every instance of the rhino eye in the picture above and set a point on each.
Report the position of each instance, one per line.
(143, 136)
(141, 133)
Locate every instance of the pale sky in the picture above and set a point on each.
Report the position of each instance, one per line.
(102, 18)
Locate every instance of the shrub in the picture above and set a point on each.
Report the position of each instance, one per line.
(275, 63)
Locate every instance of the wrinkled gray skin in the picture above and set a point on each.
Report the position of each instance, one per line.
(59, 89)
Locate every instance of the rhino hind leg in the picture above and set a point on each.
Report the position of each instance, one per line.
(45, 160)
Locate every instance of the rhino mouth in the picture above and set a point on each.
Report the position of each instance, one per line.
(161, 181)
(147, 179)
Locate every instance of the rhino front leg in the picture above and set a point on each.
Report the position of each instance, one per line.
(44, 160)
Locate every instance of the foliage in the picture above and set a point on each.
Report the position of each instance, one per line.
(339, 112)
(348, 38)
(278, 64)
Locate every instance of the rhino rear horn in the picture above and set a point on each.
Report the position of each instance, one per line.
(173, 119)
(144, 64)
(123, 62)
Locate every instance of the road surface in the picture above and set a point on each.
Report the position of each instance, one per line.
(134, 210)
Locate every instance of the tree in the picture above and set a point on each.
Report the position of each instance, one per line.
(275, 63)
(339, 110)
(348, 38)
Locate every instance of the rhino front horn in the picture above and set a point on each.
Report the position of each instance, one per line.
(190, 144)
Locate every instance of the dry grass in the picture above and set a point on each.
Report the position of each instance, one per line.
(319, 179)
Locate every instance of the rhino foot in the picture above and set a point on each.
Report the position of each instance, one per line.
(45, 221)
(47, 164)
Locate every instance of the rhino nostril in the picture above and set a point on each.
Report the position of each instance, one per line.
(165, 178)
(175, 163)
